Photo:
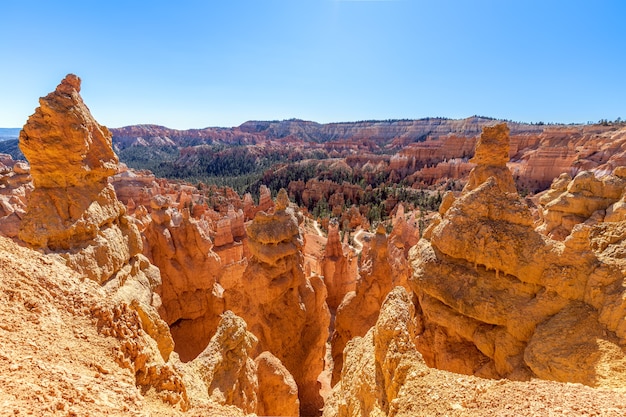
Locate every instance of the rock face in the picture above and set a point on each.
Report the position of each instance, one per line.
(492, 288)
(278, 392)
(73, 210)
(570, 202)
(284, 309)
(191, 297)
(226, 366)
(385, 375)
(359, 309)
(377, 364)
(339, 274)
(15, 186)
(226, 373)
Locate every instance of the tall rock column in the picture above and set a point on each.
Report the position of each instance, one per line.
(359, 309)
(339, 275)
(191, 297)
(286, 311)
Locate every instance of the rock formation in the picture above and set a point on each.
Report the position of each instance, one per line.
(191, 296)
(285, 310)
(573, 201)
(376, 365)
(265, 199)
(73, 215)
(491, 288)
(226, 367)
(385, 375)
(278, 391)
(73, 210)
(359, 309)
(15, 186)
(339, 273)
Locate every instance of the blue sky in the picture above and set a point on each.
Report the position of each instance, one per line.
(192, 64)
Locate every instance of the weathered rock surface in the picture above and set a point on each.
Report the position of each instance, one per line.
(376, 366)
(491, 288)
(585, 198)
(69, 347)
(284, 309)
(73, 210)
(15, 186)
(359, 309)
(191, 296)
(278, 391)
(226, 367)
(384, 375)
(338, 269)
(74, 216)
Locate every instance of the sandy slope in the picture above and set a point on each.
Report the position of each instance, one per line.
(53, 360)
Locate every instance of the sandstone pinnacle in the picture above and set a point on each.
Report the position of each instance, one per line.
(493, 146)
(63, 142)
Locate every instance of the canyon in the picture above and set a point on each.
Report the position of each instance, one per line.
(125, 293)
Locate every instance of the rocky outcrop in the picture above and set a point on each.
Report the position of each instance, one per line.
(226, 367)
(491, 288)
(359, 309)
(136, 186)
(583, 199)
(70, 343)
(376, 365)
(285, 310)
(227, 373)
(191, 296)
(265, 199)
(339, 273)
(278, 392)
(229, 227)
(385, 375)
(15, 186)
(73, 215)
(73, 210)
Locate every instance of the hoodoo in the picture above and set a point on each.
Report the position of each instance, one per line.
(492, 289)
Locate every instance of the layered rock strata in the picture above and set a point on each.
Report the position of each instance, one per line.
(493, 290)
(359, 309)
(285, 310)
(339, 270)
(192, 299)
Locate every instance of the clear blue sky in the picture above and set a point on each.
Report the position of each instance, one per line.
(192, 64)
